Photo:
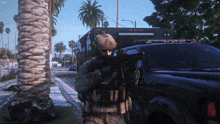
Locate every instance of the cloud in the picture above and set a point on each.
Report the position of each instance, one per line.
(4, 2)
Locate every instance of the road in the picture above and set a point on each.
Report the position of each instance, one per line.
(65, 75)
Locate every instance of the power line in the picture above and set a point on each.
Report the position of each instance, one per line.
(113, 20)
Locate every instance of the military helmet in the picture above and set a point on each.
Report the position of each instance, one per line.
(105, 41)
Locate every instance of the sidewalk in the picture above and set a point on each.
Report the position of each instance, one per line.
(63, 96)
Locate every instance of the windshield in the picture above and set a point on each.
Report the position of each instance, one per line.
(181, 56)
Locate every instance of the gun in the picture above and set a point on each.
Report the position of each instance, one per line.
(120, 62)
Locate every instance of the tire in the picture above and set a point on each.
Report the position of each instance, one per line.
(160, 118)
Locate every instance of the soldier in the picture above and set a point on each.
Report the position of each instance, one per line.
(105, 101)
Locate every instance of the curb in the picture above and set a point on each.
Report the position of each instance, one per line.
(71, 98)
(7, 84)
(6, 101)
(65, 90)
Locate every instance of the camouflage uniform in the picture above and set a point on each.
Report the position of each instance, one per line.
(104, 104)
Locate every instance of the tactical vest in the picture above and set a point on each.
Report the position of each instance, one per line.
(105, 98)
(112, 101)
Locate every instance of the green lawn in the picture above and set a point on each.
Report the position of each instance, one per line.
(67, 116)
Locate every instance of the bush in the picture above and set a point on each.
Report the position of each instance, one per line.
(4, 78)
(11, 75)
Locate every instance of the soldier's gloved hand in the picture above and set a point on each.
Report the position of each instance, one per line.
(106, 71)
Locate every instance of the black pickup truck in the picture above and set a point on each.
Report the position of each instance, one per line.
(179, 84)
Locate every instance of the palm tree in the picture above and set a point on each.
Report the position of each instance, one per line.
(7, 30)
(72, 45)
(54, 31)
(32, 101)
(60, 47)
(90, 14)
(1, 31)
(56, 6)
(55, 10)
(16, 21)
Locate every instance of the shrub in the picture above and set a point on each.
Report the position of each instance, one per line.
(4, 78)
(11, 75)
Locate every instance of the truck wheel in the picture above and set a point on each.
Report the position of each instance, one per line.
(160, 118)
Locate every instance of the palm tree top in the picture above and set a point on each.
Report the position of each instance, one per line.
(56, 7)
(7, 30)
(90, 14)
(1, 24)
(15, 18)
(60, 46)
(72, 43)
(1, 27)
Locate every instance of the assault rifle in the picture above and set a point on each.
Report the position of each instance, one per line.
(120, 62)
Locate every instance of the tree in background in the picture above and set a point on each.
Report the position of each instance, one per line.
(60, 47)
(67, 57)
(55, 10)
(32, 101)
(72, 45)
(1, 31)
(197, 19)
(90, 14)
(3, 52)
(7, 30)
(54, 31)
(56, 7)
(16, 22)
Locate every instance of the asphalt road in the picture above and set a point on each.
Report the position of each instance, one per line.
(65, 75)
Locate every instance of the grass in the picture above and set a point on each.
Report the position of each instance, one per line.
(67, 115)
(3, 114)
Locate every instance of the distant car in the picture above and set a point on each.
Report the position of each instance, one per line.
(72, 68)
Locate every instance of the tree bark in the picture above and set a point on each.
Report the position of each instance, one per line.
(61, 55)
(32, 101)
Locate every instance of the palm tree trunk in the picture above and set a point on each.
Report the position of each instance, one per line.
(50, 77)
(32, 101)
(72, 54)
(15, 40)
(8, 42)
(75, 60)
(61, 55)
(2, 41)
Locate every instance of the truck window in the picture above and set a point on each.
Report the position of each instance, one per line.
(132, 51)
(182, 56)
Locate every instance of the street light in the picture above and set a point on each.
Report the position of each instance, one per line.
(134, 23)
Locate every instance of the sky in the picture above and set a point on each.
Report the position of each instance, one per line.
(69, 27)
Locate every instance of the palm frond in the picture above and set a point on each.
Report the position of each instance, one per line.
(7, 30)
(94, 3)
(90, 14)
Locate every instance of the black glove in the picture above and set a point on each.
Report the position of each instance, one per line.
(106, 71)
